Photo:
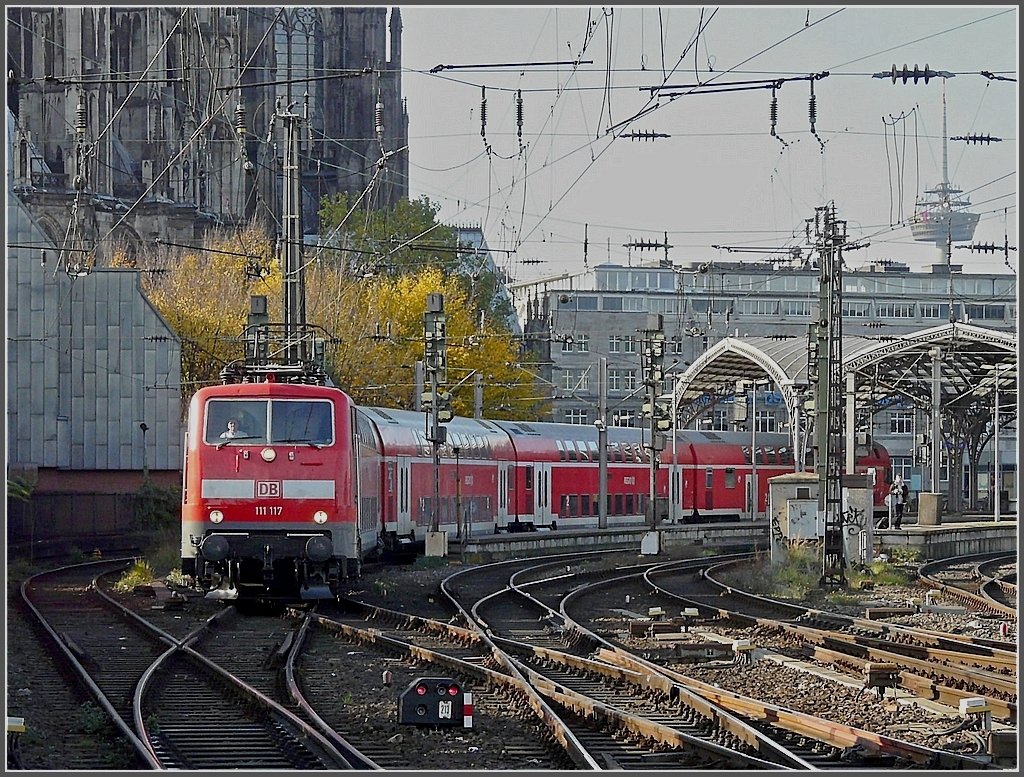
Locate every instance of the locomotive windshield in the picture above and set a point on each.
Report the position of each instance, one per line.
(255, 422)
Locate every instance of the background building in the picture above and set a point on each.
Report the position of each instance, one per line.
(135, 107)
(569, 323)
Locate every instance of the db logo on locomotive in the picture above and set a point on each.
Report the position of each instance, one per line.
(268, 489)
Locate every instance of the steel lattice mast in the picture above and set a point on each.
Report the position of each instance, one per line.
(830, 235)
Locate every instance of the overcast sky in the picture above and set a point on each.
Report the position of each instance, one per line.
(721, 178)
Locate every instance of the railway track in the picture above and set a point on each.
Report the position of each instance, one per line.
(156, 691)
(679, 733)
(965, 579)
(943, 667)
(823, 742)
(316, 688)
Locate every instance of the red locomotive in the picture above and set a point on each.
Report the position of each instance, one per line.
(271, 491)
(289, 498)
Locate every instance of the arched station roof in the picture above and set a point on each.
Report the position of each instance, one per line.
(969, 359)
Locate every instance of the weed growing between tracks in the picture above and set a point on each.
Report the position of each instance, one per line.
(796, 578)
(139, 573)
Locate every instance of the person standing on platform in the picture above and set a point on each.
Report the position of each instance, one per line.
(898, 493)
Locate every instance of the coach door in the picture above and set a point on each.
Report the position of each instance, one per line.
(542, 494)
(505, 474)
(404, 507)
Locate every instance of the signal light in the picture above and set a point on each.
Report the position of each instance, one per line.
(421, 690)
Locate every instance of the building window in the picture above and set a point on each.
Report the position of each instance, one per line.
(615, 380)
(856, 309)
(894, 310)
(986, 312)
(715, 421)
(901, 422)
(575, 415)
(933, 310)
(676, 345)
(796, 307)
(902, 466)
(764, 421)
(629, 343)
(629, 380)
(583, 343)
(575, 380)
(758, 307)
(624, 418)
(614, 344)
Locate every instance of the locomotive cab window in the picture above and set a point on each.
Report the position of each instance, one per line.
(231, 421)
(299, 421)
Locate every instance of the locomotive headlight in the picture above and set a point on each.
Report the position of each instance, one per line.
(320, 516)
(268, 454)
(216, 516)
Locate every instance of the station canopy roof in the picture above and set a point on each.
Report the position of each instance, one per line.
(971, 360)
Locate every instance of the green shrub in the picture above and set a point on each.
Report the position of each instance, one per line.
(20, 489)
(840, 598)
(887, 574)
(139, 573)
(903, 555)
(158, 507)
(92, 719)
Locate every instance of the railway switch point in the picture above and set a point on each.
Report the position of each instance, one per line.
(744, 650)
(977, 706)
(880, 676)
(689, 615)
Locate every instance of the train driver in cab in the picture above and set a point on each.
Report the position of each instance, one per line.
(233, 431)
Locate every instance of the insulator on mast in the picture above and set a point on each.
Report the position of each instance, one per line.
(81, 123)
(812, 112)
(240, 119)
(483, 111)
(773, 113)
(378, 116)
(519, 113)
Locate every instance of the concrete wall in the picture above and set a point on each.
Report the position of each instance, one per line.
(494, 547)
(948, 541)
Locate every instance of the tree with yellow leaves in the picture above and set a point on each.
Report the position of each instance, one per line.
(203, 293)
(373, 322)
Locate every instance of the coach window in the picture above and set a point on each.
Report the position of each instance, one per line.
(574, 505)
(581, 446)
(561, 450)
(585, 505)
(730, 477)
(529, 477)
(618, 505)
(629, 504)
(709, 478)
